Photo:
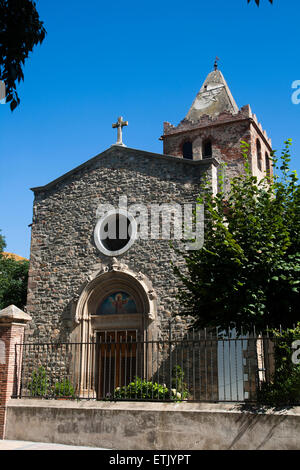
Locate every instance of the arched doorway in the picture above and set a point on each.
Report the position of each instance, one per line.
(115, 314)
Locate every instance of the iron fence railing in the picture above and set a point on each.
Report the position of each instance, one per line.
(189, 366)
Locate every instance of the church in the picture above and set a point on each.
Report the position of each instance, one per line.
(83, 283)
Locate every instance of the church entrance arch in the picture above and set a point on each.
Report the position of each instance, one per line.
(116, 311)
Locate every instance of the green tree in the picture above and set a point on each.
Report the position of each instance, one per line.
(13, 280)
(284, 386)
(20, 30)
(2, 243)
(247, 272)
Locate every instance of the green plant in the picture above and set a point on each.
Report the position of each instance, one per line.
(39, 385)
(64, 389)
(284, 387)
(145, 390)
(178, 384)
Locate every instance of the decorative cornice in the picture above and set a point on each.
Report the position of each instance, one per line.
(244, 114)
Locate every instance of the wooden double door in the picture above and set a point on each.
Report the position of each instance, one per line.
(118, 360)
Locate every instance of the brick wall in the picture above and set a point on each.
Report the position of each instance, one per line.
(226, 131)
(11, 333)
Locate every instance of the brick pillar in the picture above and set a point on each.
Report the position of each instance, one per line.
(12, 325)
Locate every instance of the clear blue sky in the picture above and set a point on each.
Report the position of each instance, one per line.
(146, 62)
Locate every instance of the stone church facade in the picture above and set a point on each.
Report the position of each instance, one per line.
(79, 289)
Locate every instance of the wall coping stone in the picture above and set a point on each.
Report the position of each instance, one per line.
(151, 406)
(13, 314)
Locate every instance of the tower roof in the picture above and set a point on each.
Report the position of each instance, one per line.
(213, 98)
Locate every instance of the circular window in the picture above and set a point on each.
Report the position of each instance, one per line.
(115, 232)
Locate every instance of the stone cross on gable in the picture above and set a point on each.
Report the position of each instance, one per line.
(119, 125)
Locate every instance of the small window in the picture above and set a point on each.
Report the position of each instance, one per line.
(267, 162)
(207, 149)
(187, 150)
(258, 153)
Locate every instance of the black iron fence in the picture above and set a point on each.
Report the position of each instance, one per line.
(120, 365)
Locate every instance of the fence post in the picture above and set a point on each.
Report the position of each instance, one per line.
(251, 366)
(170, 357)
(12, 325)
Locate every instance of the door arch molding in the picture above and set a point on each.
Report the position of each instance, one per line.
(109, 279)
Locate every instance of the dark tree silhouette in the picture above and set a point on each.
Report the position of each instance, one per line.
(257, 2)
(20, 30)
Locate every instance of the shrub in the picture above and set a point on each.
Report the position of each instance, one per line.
(39, 385)
(177, 382)
(284, 387)
(144, 390)
(64, 389)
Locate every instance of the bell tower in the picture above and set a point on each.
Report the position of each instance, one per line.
(214, 128)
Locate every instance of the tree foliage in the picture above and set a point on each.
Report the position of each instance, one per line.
(20, 30)
(257, 2)
(284, 386)
(13, 280)
(247, 272)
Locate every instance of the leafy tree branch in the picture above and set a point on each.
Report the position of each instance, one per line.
(247, 272)
(20, 30)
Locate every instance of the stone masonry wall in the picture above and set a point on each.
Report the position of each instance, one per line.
(63, 252)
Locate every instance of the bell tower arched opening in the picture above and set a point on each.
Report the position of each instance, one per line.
(187, 150)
